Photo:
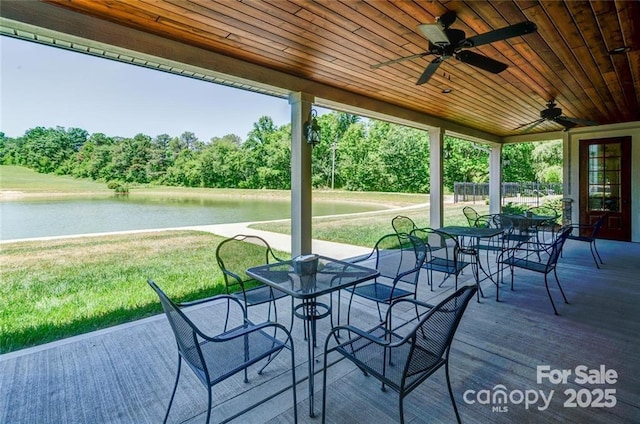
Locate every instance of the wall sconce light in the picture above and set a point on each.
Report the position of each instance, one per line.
(312, 129)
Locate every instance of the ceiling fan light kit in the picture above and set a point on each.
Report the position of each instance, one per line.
(434, 34)
(445, 42)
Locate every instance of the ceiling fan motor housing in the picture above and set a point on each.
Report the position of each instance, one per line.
(551, 113)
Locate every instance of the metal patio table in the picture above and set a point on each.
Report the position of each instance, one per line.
(328, 276)
(523, 222)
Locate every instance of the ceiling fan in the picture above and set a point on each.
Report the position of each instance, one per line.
(554, 114)
(445, 42)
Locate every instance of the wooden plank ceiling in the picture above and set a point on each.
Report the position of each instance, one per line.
(336, 42)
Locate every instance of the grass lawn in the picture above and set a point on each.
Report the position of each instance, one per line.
(366, 229)
(55, 289)
(28, 181)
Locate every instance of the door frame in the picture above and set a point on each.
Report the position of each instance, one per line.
(618, 225)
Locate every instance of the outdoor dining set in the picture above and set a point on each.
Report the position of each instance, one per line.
(410, 339)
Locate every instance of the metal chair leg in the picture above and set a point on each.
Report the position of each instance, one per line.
(209, 405)
(560, 287)
(546, 284)
(453, 400)
(175, 386)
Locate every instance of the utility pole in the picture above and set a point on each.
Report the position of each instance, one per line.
(334, 146)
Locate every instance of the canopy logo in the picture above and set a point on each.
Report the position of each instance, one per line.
(499, 398)
(579, 396)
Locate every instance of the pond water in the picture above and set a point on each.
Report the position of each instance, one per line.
(43, 218)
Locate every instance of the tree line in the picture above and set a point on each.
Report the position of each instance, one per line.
(354, 154)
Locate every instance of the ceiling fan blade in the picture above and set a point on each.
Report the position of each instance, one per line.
(578, 121)
(564, 122)
(401, 59)
(434, 33)
(522, 28)
(429, 70)
(530, 125)
(482, 62)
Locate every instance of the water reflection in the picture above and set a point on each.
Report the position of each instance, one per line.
(41, 218)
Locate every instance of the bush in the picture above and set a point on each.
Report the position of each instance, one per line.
(118, 186)
(514, 209)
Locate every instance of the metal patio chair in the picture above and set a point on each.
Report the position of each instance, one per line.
(512, 236)
(588, 233)
(538, 258)
(543, 231)
(234, 256)
(444, 254)
(398, 258)
(403, 356)
(215, 358)
(471, 215)
(403, 224)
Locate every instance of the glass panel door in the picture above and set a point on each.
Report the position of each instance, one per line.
(605, 175)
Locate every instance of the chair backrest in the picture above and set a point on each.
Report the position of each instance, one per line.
(484, 221)
(434, 332)
(403, 224)
(441, 247)
(238, 253)
(399, 256)
(598, 225)
(471, 215)
(556, 246)
(184, 330)
(503, 222)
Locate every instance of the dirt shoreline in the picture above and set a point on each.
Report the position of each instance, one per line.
(320, 196)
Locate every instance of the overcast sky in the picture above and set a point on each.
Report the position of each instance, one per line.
(49, 87)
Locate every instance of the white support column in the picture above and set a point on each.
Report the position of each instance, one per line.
(436, 209)
(495, 179)
(301, 212)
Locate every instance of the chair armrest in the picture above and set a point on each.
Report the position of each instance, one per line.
(359, 332)
(221, 297)
(581, 226)
(209, 299)
(235, 276)
(511, 252)
(401, 275)
(388, 317)
(248, 328)
(467, 250)
(276, 257)
(362, 258)
(413, 301)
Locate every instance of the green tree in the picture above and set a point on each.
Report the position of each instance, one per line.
(221, 163)
(333, 126)
(547, 161)
(517, 163)
(185, 171)
(46, 150)
(405, 154)
(354, 155)
(261, 142)
(464, 162)
(11, 150)
(93, 158)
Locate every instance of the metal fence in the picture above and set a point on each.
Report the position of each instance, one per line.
(529, 193)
